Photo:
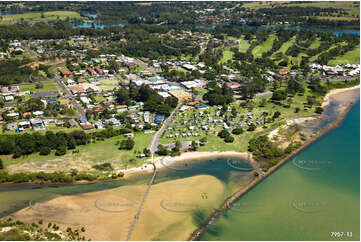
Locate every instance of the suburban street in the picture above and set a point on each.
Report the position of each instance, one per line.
(70, 96)
(155, 140)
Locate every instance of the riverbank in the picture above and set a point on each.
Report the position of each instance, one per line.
(335, 92)
(338, 95)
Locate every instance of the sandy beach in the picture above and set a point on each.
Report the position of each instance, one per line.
(332, 93)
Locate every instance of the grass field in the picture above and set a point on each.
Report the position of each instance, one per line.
(37, 16)
(108, 84)
(351, 57)
(264, 47)
(227, 55)
(243, 45)
(46, 87)
(286, 45)
(348, 6)
(90, 154)
(314, 58)
(315, 44)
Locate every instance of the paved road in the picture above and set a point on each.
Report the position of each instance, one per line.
(52, 68)
(155, 140)
(136, 217)
(31, 52)
(70, 96)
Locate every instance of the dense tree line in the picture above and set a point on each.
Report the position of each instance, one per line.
(25, 144)
(218, 95)
(262, 147)
(153, 102)
(14, 71)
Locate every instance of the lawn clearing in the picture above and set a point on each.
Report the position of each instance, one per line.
(37, 16)
(243, 45)
(90, 154)
(351, 57)
(46, 87)
(264, 47)
(227, 55)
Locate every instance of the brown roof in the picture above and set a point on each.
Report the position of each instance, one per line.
(64, 72)
(86, 126)
(77, 89)
(98, 69)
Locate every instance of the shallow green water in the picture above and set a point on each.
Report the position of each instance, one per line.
(311, 196)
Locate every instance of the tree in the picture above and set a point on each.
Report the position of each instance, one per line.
(194, 145)
(237, 131)
(276, 115)
(263, 102)
(127, 144)
(61, 150)
(146, 152)
(319, 110)
(229, 139)
(279, 95)
(45, 150)
(178, 145)
(203, 140)
(162, 150)
(1, 164)
(223, 134)
(251, 127)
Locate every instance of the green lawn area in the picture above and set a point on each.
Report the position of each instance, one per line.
(46, 87)
(227, 55)
(314, 58)
(108, 84)
(243, 45)
(110, 81)
(99, 98)
(264, 47)
(37, 16)
(344, 5)
(351, 57)
(315, 44)
(90, 154)
(286, 45)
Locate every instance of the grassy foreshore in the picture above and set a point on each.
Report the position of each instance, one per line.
(233, 198)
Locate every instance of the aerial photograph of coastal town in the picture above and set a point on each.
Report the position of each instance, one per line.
(180, 120)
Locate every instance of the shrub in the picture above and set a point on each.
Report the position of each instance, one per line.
(61, 150)
(319, 110)
(237, 131)
(127, 144)
(229, 139)
(223, 134)
(45, 150)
